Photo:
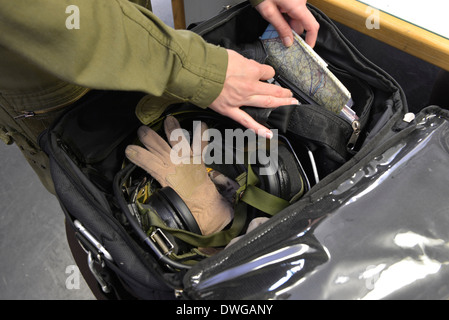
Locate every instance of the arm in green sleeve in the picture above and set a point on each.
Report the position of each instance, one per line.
(119, 46)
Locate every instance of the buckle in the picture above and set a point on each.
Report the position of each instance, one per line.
(162, 241)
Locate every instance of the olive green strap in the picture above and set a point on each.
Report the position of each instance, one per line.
(247, 194)
(258, 198)
(217, 239)
(190, 258)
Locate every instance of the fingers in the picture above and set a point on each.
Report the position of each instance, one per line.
(249, 90)
(265, 71)
(148, 161)
(247, 69)
(270, 91)
(268, 95)
(300, 19)
(244, 78)
(153, 142)
(262, 101)
(274, 16)
(175, 134)
(247, 121)
(153, 159)
(297, 26)
(200, 140)
(170, 125)
(244, 86)
(265, 95)
(180, 142)
(312, 26)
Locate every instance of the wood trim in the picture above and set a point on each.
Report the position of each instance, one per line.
(398, 33)
(179, 16)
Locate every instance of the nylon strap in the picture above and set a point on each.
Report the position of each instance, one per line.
(247, 194)
(260, 199)
(217, 239)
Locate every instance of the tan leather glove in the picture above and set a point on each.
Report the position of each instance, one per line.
(189, 179)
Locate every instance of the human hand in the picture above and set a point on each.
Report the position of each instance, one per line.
(244, 86)
(297, 17)
(187, 176)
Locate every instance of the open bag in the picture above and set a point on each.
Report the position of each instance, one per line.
(368, 208)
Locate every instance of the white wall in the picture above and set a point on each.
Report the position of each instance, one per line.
(428, 14)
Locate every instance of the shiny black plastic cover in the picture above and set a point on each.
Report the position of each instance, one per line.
(380, 232)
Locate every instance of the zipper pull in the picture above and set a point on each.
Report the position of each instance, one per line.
(350, 116)
(25, 114)
(356, 127)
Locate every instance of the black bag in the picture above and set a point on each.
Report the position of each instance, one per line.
(319, 246)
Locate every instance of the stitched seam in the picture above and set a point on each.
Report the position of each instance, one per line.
(175, 48)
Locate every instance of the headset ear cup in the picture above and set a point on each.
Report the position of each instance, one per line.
(268, 182)
(289, 174)
(172, 210)
(286, 180)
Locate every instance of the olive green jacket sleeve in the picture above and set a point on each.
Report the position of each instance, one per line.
(118, 46)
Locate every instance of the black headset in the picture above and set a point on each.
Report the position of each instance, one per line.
(172, 210)
(287, 180)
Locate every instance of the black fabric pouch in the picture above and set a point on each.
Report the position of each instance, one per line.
(374, 92)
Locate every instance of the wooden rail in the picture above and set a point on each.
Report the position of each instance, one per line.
(179, 16)
(398, 33)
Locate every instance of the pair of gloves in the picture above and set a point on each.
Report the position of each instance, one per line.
(190, 178)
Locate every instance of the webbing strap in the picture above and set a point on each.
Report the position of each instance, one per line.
(217, 239)
(258, 198)
(247, 194)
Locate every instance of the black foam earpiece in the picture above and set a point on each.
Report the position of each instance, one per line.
(285, 179)
(172, 210)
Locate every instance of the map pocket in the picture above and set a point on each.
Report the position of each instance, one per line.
(306, 70)
(343, 132)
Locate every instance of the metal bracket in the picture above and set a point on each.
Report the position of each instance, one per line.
(95, 254)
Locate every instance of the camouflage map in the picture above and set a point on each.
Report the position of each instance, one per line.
(304, 68)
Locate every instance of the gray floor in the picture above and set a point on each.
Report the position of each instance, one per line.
(35, 262)
(33, 248)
